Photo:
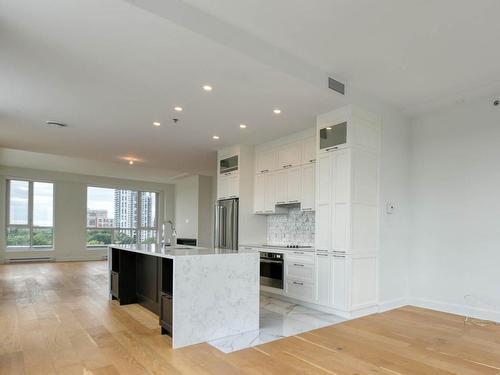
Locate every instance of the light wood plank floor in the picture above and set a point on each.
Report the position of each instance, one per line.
(55, 319)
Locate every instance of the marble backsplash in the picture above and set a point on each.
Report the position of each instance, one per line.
(296, 227)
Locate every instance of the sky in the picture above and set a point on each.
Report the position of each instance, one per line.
(101, 199)
(42, 203)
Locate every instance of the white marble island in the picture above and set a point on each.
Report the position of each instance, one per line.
(200, 294)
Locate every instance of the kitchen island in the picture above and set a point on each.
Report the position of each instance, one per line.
(200, 294)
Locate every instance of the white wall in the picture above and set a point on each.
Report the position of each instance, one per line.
(70, 197)
(194, 201)
(456, 209)
(394, 228)
(186, 207)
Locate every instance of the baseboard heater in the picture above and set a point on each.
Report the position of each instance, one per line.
(30, 260)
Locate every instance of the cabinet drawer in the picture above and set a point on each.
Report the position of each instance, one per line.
(300, 271)
(114, 284)
(300, 290)
(300, 256)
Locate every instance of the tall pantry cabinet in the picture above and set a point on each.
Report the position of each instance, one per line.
(347, 180)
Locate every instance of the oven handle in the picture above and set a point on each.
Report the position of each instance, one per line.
(270, 261)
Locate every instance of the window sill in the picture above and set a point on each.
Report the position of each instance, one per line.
(10, 249)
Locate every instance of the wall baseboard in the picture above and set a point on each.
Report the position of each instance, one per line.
(477, 313)
(392, 304)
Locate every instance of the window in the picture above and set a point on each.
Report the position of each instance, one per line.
(30, 214)
(120, 216)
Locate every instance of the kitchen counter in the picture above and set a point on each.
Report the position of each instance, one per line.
(178, 250)
(264, 247)
(201, 294)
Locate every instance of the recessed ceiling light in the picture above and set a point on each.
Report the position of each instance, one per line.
(243, 126)
(178, 109)
(156, 123)
(215, 137)
(207, 88)
(328, 128)
(277, 111)
(131, 162)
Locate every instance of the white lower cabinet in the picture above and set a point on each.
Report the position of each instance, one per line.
(331, 280)
(300, 277)
(338, 295)
(300, 290)
(323, 278)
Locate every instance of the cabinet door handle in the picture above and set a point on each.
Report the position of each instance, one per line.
(331, 148)
(280, 202)
(307, 209)
(297, 283)
(298, 252)
(338, 256)
(312, 160)
(294, 201)
(264, 171)
(322, 255)
(298, 265)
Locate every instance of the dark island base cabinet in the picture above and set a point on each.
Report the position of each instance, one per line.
(143, 279)
(115, 288)
(166, 314)
(166, 299)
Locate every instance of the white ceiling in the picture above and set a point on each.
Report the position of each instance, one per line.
(416, 55)
(110, 68)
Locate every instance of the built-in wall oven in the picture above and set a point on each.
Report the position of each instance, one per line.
(271, 270)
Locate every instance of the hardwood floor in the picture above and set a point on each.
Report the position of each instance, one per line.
(55, 319)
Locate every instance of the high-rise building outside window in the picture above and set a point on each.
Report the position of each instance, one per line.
(120, 216)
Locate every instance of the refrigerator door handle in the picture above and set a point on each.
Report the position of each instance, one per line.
(216, 225)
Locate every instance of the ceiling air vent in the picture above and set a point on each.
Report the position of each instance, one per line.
(57, 123)
(336, 86)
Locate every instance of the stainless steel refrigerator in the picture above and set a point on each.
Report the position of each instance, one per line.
(226, 224)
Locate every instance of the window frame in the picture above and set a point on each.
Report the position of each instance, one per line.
(29, 224)
(115, 230)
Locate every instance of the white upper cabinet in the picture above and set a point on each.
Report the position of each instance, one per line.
(259, 194)
(294, 185)
(288, 186)
(324, 179)
(281, 187)
(265, 161)
(270, 193)
(289, 155)
(228, 186)
(293, 169)
(309, 151)
(308, 184)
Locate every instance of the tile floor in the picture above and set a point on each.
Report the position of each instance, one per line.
(278, 319)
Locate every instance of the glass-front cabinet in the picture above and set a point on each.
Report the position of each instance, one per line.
(333, 136)
(229, 164)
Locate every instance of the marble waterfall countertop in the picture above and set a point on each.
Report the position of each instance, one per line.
(215, 291)
(178, 250)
